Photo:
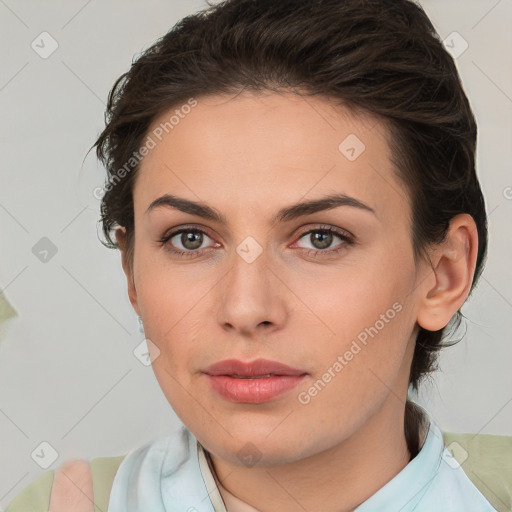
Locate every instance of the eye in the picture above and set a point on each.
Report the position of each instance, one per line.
(186, 242)
(322, 239)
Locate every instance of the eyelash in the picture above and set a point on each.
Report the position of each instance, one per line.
(343, 235)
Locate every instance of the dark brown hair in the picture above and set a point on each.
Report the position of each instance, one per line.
(378, 56)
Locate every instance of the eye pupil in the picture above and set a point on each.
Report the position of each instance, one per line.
(195, 238)
(324, 238)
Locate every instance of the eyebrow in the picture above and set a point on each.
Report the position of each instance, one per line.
(285, 214)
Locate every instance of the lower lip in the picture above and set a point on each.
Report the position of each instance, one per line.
(253, 391)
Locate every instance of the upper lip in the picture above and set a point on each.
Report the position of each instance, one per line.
(251, 368)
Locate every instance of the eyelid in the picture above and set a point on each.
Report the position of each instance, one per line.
(327, 227)
(186, 227)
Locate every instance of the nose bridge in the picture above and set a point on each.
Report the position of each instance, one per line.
(249, 269)
(250, 298)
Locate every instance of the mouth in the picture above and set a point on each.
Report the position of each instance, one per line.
(259, 368)
(252, 382)
(255, 376)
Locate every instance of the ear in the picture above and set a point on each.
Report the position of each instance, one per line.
(127, 267)
(453, 265)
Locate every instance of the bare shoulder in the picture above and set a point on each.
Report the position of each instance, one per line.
(72, 489)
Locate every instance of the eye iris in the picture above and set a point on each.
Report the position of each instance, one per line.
(195, 238)
(324, 238)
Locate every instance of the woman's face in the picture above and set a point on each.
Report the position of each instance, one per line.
(339, 307)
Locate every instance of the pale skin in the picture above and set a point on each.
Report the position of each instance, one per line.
(248, 156)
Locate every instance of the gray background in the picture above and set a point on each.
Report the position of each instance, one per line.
(68, 375)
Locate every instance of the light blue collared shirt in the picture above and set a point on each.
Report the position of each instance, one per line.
(170, 474)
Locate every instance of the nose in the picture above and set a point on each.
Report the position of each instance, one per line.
(253, 298)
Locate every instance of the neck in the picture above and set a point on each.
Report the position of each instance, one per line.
(336, 480)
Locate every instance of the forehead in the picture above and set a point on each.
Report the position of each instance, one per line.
(263, 150)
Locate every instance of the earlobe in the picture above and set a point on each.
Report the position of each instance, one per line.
(120, 234)
(453, 266)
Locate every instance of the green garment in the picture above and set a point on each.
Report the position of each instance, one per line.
(487, 461)
(6, 312)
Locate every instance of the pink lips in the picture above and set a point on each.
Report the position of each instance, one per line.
(252, 382)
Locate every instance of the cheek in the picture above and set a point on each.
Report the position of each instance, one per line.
(340, 303)
(364, 315)
(172, 328)
(355, 370)
(166, 294)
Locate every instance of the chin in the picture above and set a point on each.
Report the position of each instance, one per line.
(251, 454)
(252, 448)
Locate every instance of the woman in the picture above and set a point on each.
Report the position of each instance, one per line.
(292, 187)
